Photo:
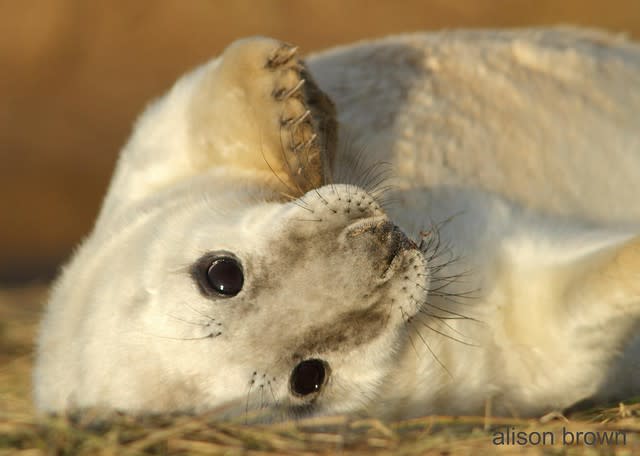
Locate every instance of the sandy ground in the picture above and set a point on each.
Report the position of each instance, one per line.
(19, 314)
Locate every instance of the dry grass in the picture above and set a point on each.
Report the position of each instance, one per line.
(179, 435)
(24, 433)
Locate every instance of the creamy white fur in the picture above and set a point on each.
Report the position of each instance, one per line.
(527, 143)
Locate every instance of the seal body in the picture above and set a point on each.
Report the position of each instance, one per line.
(413, 225)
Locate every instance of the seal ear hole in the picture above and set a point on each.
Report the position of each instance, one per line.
(308, 377)
(219, 274)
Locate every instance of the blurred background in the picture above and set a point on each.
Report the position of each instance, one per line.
(74, 74)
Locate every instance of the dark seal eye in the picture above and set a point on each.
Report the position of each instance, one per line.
(219, 275)
(308, 377)
(225, 276)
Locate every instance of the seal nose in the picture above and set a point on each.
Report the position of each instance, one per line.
(396, 237)
(381, 238)
(384, 232)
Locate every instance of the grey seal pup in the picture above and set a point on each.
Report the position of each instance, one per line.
(252, 250)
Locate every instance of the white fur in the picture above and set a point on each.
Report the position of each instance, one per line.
(526, 144)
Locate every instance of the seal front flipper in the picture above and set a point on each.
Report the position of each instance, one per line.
(308, 121)
(253, 114)
(259, 110)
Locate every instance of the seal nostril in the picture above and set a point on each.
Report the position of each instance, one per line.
(308, 377)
